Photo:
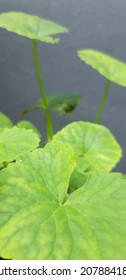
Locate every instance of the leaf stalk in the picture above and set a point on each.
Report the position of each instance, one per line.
(103, 101)
(49, 126)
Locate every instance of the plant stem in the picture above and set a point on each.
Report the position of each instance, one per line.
(103, 101)
(43, 92)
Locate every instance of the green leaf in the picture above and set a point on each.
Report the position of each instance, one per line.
(61, 103)
(16, 141)
(100, 210)
(111, 68)
(5, 122)
(38, 221)
(28, 125)
(78, 179)
(95, 146)
(32, 190)
(55, 162)
(124, 176)
(30, 26)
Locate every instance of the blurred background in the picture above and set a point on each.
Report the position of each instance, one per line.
(96, 24)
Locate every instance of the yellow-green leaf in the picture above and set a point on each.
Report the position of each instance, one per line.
(110, 67)
(30, 26)
(94, 145)
(16, 141)
(35, 223)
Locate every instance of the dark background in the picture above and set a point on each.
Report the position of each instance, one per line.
(97, 24)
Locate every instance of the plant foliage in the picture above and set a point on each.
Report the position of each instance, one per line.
(94, 145)
(110, 67)
(39, 220)
(15, 142)
(61, 201)
(32, 27)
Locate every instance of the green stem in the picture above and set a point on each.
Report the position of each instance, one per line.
(43, 92)
(103, 101)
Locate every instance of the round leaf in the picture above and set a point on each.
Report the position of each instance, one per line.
(95, 146)
(111, 68)
(32, 27)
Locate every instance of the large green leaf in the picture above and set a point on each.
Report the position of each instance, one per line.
(32, 27)
(33, 189)
(16, 141)
(95, 146)
(38, 220)
(111, 68)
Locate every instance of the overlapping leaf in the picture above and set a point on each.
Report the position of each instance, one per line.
(31, 192)
(111, 68)
(39, 221)
(28, 125)
(100, 208)
(95, 146)
(32, 27)
(5, 122)
(16, 141)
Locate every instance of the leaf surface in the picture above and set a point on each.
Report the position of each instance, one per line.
(100, 207)
(39, 221)
(16, 141)
(30, 26)
(94, 145)
(111, 68)
(31, 191)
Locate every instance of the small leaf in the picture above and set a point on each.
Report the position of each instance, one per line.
(16, 141)
(111, 68)
(61, 103)
(28, 125)
(32, 27)
(5, 122)
(27, 110)
(78, 179)
(95, 146)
